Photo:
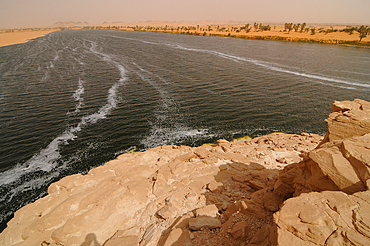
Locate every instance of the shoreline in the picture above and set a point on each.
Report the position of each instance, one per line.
(281, 38)
(229, 193)
(277, 34)
(19, 37)
(308, 33)
(323, 34)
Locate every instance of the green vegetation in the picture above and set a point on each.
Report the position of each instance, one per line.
(132, 150)
(240, 31)
(242, 138)
(243, 30)
(363, 31)
(288, 27)
(10, 30)
(362, 35)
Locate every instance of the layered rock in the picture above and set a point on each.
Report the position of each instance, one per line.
(279, 189)
(325, 218)
(138, 196)
(342, 160)
(348, 119)
(339, 169)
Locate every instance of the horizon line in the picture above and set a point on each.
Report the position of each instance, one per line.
(193, 22)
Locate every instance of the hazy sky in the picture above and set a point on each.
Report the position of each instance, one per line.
(28, 13)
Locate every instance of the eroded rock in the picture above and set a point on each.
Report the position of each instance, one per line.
(326, 218)
(204, 222)
(348, 119)
(229, 193)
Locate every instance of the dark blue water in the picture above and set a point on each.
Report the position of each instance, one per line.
(73, 100)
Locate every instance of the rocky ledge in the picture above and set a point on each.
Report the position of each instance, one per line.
(278, 189)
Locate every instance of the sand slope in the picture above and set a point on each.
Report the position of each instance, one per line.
(9, 38)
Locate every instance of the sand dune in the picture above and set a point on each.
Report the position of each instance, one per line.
(311, 32)
(9, 38)
(210, 29)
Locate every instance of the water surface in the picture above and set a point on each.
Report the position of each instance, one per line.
(75, 99)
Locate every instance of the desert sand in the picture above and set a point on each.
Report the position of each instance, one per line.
(9, 38)
(323, 33)
(278, 30)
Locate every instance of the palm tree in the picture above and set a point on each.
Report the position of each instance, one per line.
(303, 26)
(362, 35)
(288, 27)
(363, 30)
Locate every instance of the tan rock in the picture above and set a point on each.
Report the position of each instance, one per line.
(266, 235)
(337, 168)
(319, 218)
(120, 241)
(202, 152)
(209, 210)
(271, 201)
(348, 119)
(340, 165)
(213, 186)
(147, 197)
(182, 221)
(222, 141)
(166, 212)
(343, 106)
(357, 152)
(239, 230)
(204, 222)
(173, 237)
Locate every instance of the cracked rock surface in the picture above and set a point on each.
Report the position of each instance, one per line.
(278, 189)
(137, 197)
(325, 218)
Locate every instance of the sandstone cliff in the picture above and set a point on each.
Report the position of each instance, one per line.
(331, 203)
(279, 189)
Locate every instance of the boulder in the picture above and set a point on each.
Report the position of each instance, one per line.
(338, 170)
(204, 222)
(348, 119)
(239, 230)
(343, 165)
(278, 189)
(209, 210)
(326, 218)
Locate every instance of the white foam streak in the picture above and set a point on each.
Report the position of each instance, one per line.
(160, 136)
(77, 95)
(47, 159)
(270, 66)
(56, 57)
(311, 76)
(266, 65)
(79, 62)
(167, 101)
(167, 128)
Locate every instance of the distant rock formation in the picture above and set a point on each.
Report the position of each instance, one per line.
(278, 189)
(69, 24)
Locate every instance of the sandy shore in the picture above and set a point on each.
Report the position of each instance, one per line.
(320, 33)
(276, 32)
(9, 38)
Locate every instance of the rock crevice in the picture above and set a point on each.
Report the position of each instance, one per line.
(278, 189)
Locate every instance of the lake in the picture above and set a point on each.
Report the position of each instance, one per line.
(75, 99)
